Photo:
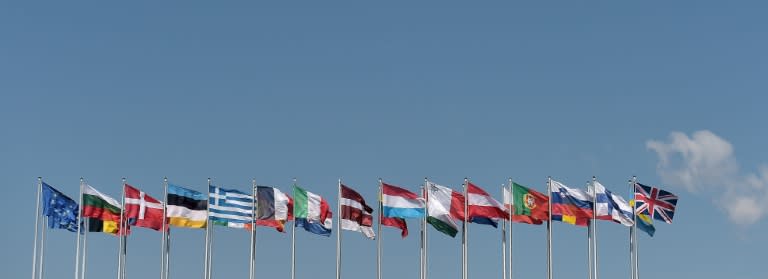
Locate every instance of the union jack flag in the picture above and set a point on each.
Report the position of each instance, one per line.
(654, 202)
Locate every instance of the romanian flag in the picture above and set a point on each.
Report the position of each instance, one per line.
(186, 208)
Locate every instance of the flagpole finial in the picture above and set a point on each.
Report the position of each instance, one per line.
(165, 179)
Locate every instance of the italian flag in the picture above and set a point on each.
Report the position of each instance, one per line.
(312, 212)
(528, 202)
(100, 206)
(444, 205)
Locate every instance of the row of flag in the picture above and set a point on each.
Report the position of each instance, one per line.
(441, 206)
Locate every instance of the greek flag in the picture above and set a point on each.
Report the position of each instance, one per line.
(228, 207)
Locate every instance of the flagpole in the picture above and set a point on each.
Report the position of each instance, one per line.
(164, 228)
(42, 249)
(590, 250)
(634, 232)
(213, 230)
(422, 230)
(338, 234)
(511, 203)
(594, 228)
(293, 241)
(120, 232)
(124, 234)
(207, 229)
(426, 240)
(79, 229)
(511, 208)
(37, 227)
(504, 241)
(252, 262)
(378, 233)
(464, 234)
(85, 250)
(549, 229)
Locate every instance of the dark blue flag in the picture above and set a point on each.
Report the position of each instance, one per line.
(60, 209)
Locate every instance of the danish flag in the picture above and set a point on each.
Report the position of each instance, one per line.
(655, 202)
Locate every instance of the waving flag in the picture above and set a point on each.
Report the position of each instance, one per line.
(273, 208)
(355, 214)
(311, 212)
(61, 210)
(395, 222)
(143, 210)
(481, 204)
(572, 206)
(654, 202)
(509, 204)
(611, 207)
(399, 202)
(230, 208)
(186, 208)
(529, 202)
(443, 206)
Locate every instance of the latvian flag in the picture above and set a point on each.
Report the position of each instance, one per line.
(355, 214)
(143, 210)
(311, 211)
(273, 208)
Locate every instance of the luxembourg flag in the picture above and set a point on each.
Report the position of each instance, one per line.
(401, 203)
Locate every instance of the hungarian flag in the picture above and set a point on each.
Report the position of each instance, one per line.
(273, 208)
(444, 205)
(529, 202)
(355, 213)
(311, 211)
(143, 210)
(509, 205)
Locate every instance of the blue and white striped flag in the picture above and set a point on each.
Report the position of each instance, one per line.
(230, 208)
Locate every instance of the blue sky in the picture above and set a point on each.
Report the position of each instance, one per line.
(670, 92)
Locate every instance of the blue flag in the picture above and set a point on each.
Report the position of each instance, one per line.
(60, 209)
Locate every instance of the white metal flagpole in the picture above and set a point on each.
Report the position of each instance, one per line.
(634, 232)
(504, 242)
(252, 262)
(85, 250)
(338, 233)
(37, 226)
(120, 232)
(210, 242)
(207, 229)
(164, 230)
(589, 237)
(549, 229)
(511, 203)
(293, 241)
(80, 224)
(422, 230)
(378, 233)
(40, 271)
(594, 227)
(124, 234)
(464, 245)
(426, 239)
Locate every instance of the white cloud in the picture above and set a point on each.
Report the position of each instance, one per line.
(705, 162)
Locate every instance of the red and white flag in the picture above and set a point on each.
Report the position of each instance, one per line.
(143, 210)
(355, 215)
(481, 204)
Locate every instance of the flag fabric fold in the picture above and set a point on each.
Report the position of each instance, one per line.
(60, 209)
(481, 205)
(395, 222)
(401, 203)
(509, 204)
(355, 214)
(186, 208)
(311, 212)
(530, 203)
(273, 208)
(229, 207)
(569, 205)
(654, 202)
(443, 206)
(143, 210)
(611, 207)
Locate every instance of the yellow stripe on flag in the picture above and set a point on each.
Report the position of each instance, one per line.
(186, 223)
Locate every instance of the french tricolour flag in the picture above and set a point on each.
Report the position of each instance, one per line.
(401, 203)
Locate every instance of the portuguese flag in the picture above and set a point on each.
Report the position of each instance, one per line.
(99, 206)
(530, 203)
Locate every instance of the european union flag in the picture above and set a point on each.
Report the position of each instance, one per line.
(60, 209)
